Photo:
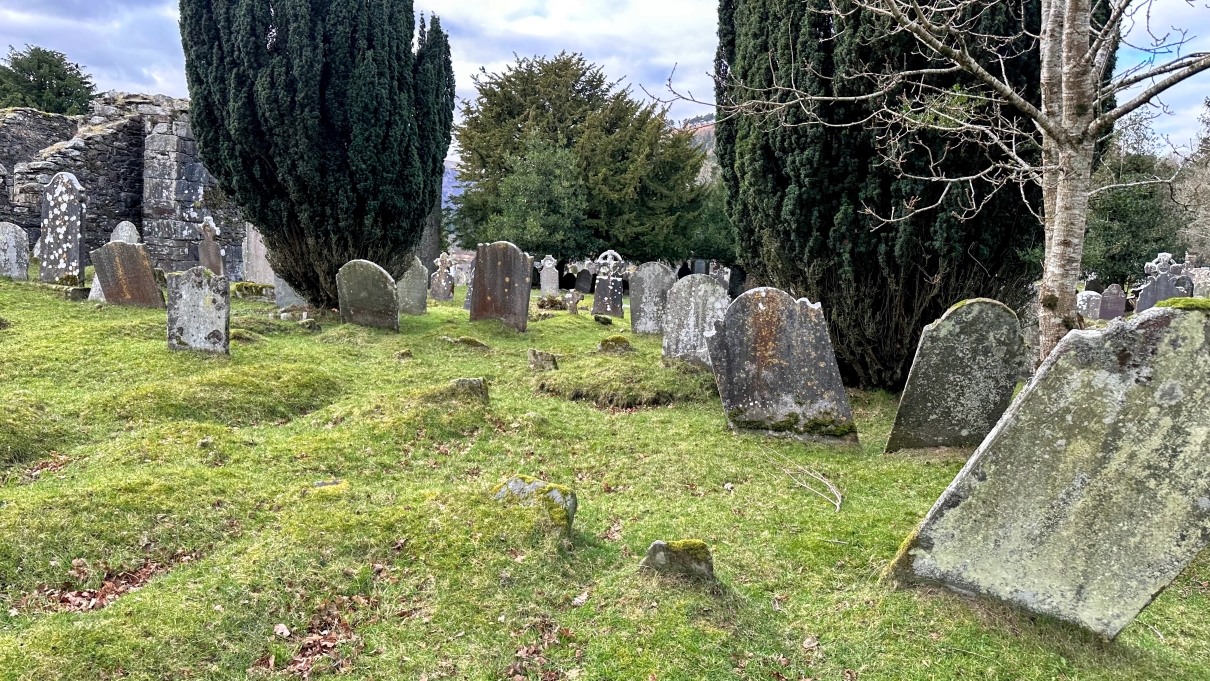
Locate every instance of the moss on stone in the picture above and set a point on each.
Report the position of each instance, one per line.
(694, 548)
(250, 290)
(1200, 304)
(615, 344)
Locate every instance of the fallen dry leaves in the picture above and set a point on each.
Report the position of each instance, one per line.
(112, 588)
(530, 660)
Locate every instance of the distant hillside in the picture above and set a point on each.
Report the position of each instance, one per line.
(703, 138)
(449, 184)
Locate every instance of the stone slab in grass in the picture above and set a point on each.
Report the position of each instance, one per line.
(414, 289)
(199, 311)
(14, 252)
(695, 303)
(64, 219)
(125, 275)
(967, 366)
(501, 284)
(1093, 492)
(558, 503)
(649, 287)
(368, 296)
(690, 558)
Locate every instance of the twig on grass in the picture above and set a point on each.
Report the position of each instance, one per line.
(796, 471)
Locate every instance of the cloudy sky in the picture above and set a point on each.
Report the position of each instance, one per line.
(134, 45)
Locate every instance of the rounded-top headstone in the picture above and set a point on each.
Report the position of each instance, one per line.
(14, 251)
(695, 303)
(414, 289)
(125, 232)
(64, 219)
(501, 285)
(368, 296)
(649, 287)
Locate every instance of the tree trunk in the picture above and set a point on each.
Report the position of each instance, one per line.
(1065, 246)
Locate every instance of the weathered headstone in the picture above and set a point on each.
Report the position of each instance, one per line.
(557, 503)
(1201, 280)
(649, 287)
(125, 275)
(776, 370)
(209, 253)
(96, 294)
(14, 251)
(502, 284)
(609, 295)
(64, 217)
(199, 311)
(610, 258)
(574, 298)
(285, 296)
(1088, 304)
(701, 267)
(441, 286)
(965, 372)
(1165, 280)
(368, 296)
(695, 303)
(1093, 492)
(542, 361)
(1113, 303)
(125, 232)
(256, 258)
(584, 281)
(470, 292)
(414, 289)
(550, 277)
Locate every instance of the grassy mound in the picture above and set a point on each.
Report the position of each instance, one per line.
(620, 382)
(28, 430)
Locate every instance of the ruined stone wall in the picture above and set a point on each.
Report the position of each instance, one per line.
(23, 134)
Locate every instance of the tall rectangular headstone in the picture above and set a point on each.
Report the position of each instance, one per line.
(199, 311)
(368, 295)
(414, 289)
(609, 296)
(256, 258)
(1113, 303)
(550, 277)
(14, 251)
(649, 287)
(64, 219)
(502, 284)
(125, 275)
(695, 303)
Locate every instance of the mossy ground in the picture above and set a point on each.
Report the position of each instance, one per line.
(161, 455)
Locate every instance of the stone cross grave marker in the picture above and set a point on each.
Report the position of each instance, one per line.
(199, 311)
(14, 251)
(574, 298)
(550, 277)
(649, 287)
(64, 216)
(1088, 304)
(776, 369)
(609, 295)
(1093, 492)
(125, 232)
(966, 368)
(1113, 303)
(414, 289)
(442, 282)
(209, 253)
(502, 284)
(125, 275)
(368, 295)
(1165, 279)
(695, 303)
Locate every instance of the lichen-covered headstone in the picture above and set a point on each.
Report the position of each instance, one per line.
(502, 284)
(649, 287)
(608, 298)
(414, 289)
(1093, 492)
(574, 298)
(441, 285)
(966, 369)
(550, 277)
(558, 503)
(125, 276)
(1165, 280)
(64, 217)
(285, 296)
(14, 251)
(690, 557)
(1113, 303)
(695, 303)
(199, 311)
(367, 295)
(776, 369)
(1088, 304)
(470, 292)
(125, 232)
(1201, 280)
(209, 253)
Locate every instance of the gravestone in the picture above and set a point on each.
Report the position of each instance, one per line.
(470, 292)
(285, 296)
(695, 303)
(1201, 280)
(1093, 492)
(701, 267)
(14, 251)
(649, 287)
(1165, 280)
(574, 298)
(550, 277)
(584, 281)
(1088, 304)
(608, 299)
(256, 258)
(125, 276)
(125, 232)
(966, 369)
(96, 294)
(776, 370)
(736, 281)
(502, 284)
(64, 217)
(1113, 303)
(723, 276)
(414, 289)
(199, 311)
(209, 253)
(368, 296)
(441, 286)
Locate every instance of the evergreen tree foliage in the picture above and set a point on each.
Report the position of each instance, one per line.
(638, 175)
(324, 125)
(43, 79)
(800, 195)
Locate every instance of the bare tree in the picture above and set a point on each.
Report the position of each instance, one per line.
(1080, 93)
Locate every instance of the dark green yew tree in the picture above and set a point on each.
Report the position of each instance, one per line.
(800, 194)
(43, 79)
(323, 124)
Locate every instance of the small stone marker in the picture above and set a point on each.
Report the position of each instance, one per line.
(1165, 280)
(125, 232)
(558, 503)
(199, 311)
(209, 254)
(1088, 304)
(95, 293)
(649, 287)
(574, 298)
(64, 216)
(285, 296)
(414, 289)
(441, 286)
(608, 298)
(474, 389)
(550, 277)
(776, 369)
(502, 284)
(470, 292)
(1093, 492)
(1201, 280)
(615, 345)
(695, 303)
(14, 251)
(690, 558)
(966, 369)
(125, 275)
(1113, 303)
(542, 361)
(368, 296)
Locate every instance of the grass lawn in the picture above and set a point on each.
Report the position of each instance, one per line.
(195, 478)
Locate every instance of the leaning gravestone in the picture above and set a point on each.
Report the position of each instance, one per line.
(285, 296)
(125, 275)
(14, 251)
(1113, 303)
(649, 287)
(367, 295)
(1093, 492)
(608, 299)
(209, 254)
(776, 369)
(1088, 304)
(64, 214)
(414, 289)
(125, 232)
(550, 277)
(695, 303)
(441, 286)
(966, 369)
(1165, 280)
(501, 285)
(199, 311)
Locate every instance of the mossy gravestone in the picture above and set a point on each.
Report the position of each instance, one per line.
(500, 288)
(199, 311)
(125, 232)
(558, 503)
(124, 272)
(64, 214)
(966, 369)
(14, 251)
(649, 287)
(367, 295)
(776, 369)
(695, 303)
(1093, 492)
(414, 289)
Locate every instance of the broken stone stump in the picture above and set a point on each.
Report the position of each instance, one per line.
(615, 345)
(414, 289)
(776, 370)
(199, 311)
(501, 284)
(695, 303)
(689, 557)
(542, 361)
(14, 252)
(649, 287)
(64, 219)
(574, 298)
(473, 389)
(285, 296)
(367, 296)
(125, 275)
(1093, 492)
(558, 503)
(966, 369)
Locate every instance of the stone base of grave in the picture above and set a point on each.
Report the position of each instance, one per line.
(848, 440)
